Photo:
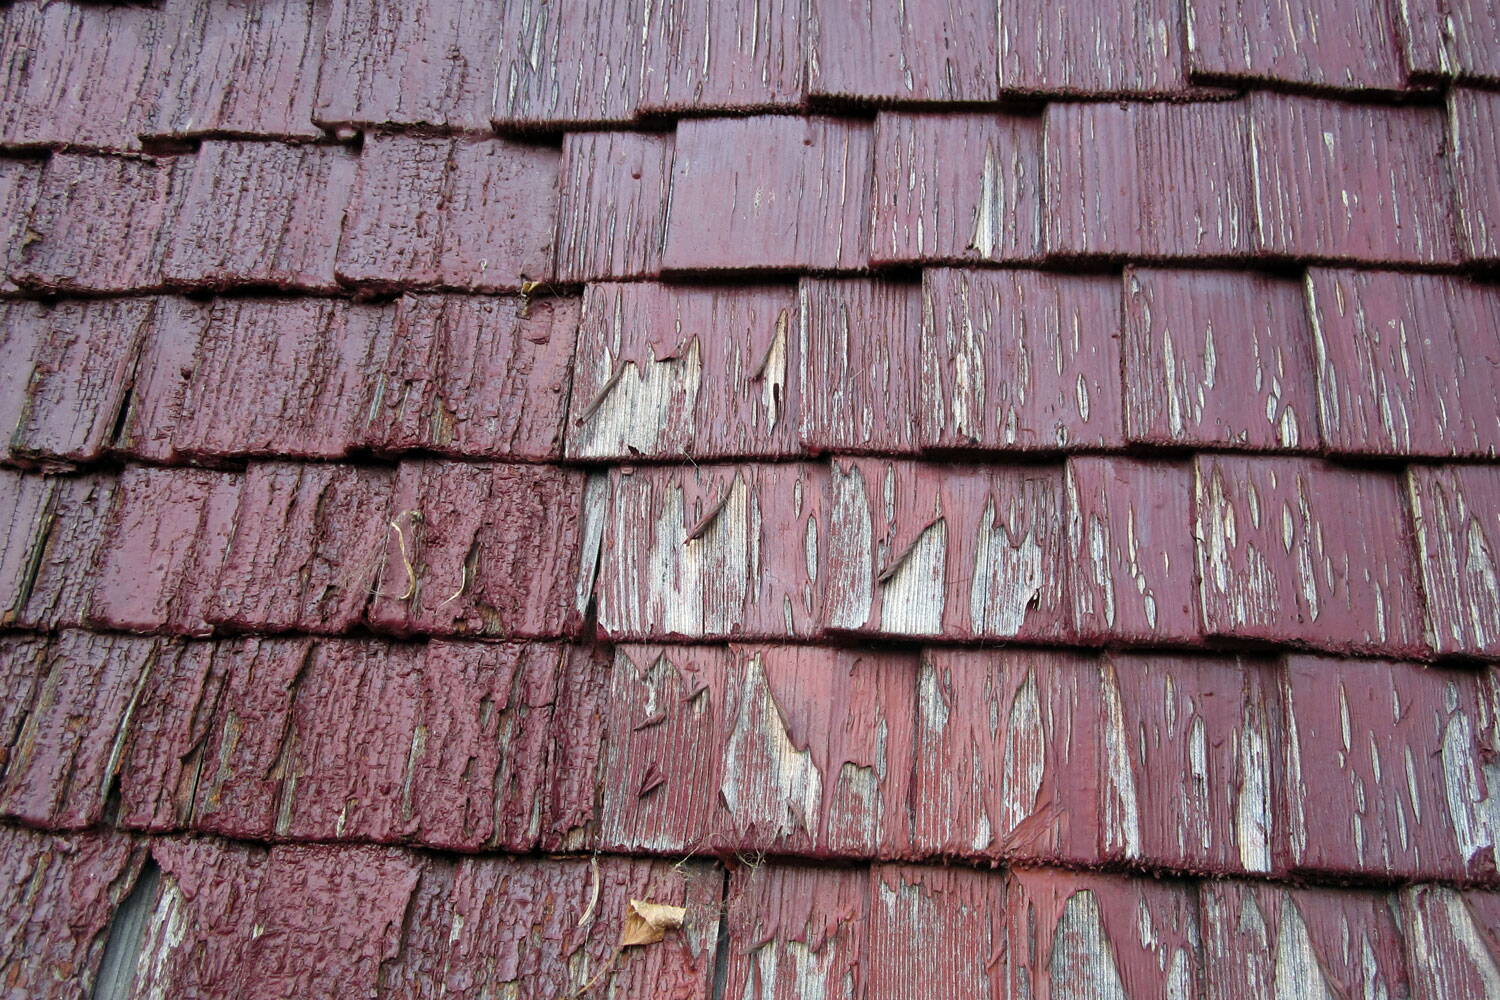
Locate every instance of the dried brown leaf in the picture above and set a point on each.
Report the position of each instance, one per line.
(648, 923)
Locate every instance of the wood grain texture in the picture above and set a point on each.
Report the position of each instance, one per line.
(1147, 181)
(725, 57)
(1474, 160)
(572, 64)
(1019, 360)
(429, 63)
(1450, 38)
(1456, 513)
(469, 375)
(66, 377)
(101, 224)
(714, 551)
(470, 213)
(1268, 940)
(1293, 551)
(261, 214)
(52, 532)
(1349, 182)
(667, 371)
(1327, 44)
(480, 549)
(1114, 47)
(238, 69)
(859, 351)
(799, 931)
(1386, 769)
(1404, 363)
(612, 204)
(956, 188)
(1450, 942)
(20, 180)
(164, 541)
(769, 193)
(914, 51)
(957, 552)
(59, 895)
(1130, 551)
(956, 914)
(1218, 359)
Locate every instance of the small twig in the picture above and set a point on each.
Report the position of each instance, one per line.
(415, 517)
(896, 563)
(588, 913)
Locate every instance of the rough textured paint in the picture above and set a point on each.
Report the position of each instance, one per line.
(1019, 360)
(1130, 546)
(955, 914)
(796, 932)
(307, 543)
(1456, 512)
(64, 741)
(911, 51)
(1008, 756)
(1405, 363)
(473, 376)
(164, 541)
(20, 180)
(101, 224)
(67, 370)
(1108, 47)
(1334, 44)
(769, 193)
(52, 529)
(1474, 159)
(1218, 359)
(1147, 180)
(58, 895)
(1300, 552)
(208, 84)
(480, 549)
(668, 371)
(1387, 769)
(1450, 941)
(1082, 936)
(425, 63)
(1269, 940)
(858, 353)
(715, 551)
(78, 75)
(1339, 181)
(956, 188)
(957, 552)
(612, 204)
(1190, 781)
(260, 214)
(711, 57)
(571, 63)
(1451, 38)
(470, 213)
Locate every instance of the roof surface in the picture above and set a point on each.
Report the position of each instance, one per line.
(981, 501)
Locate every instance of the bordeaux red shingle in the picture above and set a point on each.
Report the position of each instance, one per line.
(668, 371)
(1385, 770)
(612, 204)
(917, 51)
(958, 917)
(859, 353)
(20, 180)
(1332, 44)
(1147, 181)
(470, 213)
(1450, 941)
(956, 188)
(796, 930)
(1218, 359)
(101, 223)
(954, 552)
(1474, 159)
(163, 543)
(1451, 38)
(480, 549)
(721, 57)
(1093, 50)
(1259, 940)
(1299, 552)
(1019, 360)
(428, 63)
(52, 531)
(59, 895)
(1456, 511)
(262, 214)
(1130, 551)
(238, 69)
(770, 193)
(1337, 181)
(571, 64)
(720, 551)
(1406, 363)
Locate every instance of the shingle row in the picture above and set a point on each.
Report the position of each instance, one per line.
(205, 917)
(1094, 550)
(1172, 762)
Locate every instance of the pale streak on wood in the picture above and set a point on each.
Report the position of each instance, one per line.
(1082, 964)
(1457, 525)
(1121, 814)
(1451, 952)
(788, 795)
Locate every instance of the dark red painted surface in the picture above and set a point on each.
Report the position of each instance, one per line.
(1113, 47)
(52, 528)
(1473, 124)
(1325, 44)
(475, 214)
(612, 204)
(1451, 38)
(19, 182)
(954, 912)
(1450, 940)
(1456, 510)
(928, 50)
(724, 57)
(570, 64)
(795, 931)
